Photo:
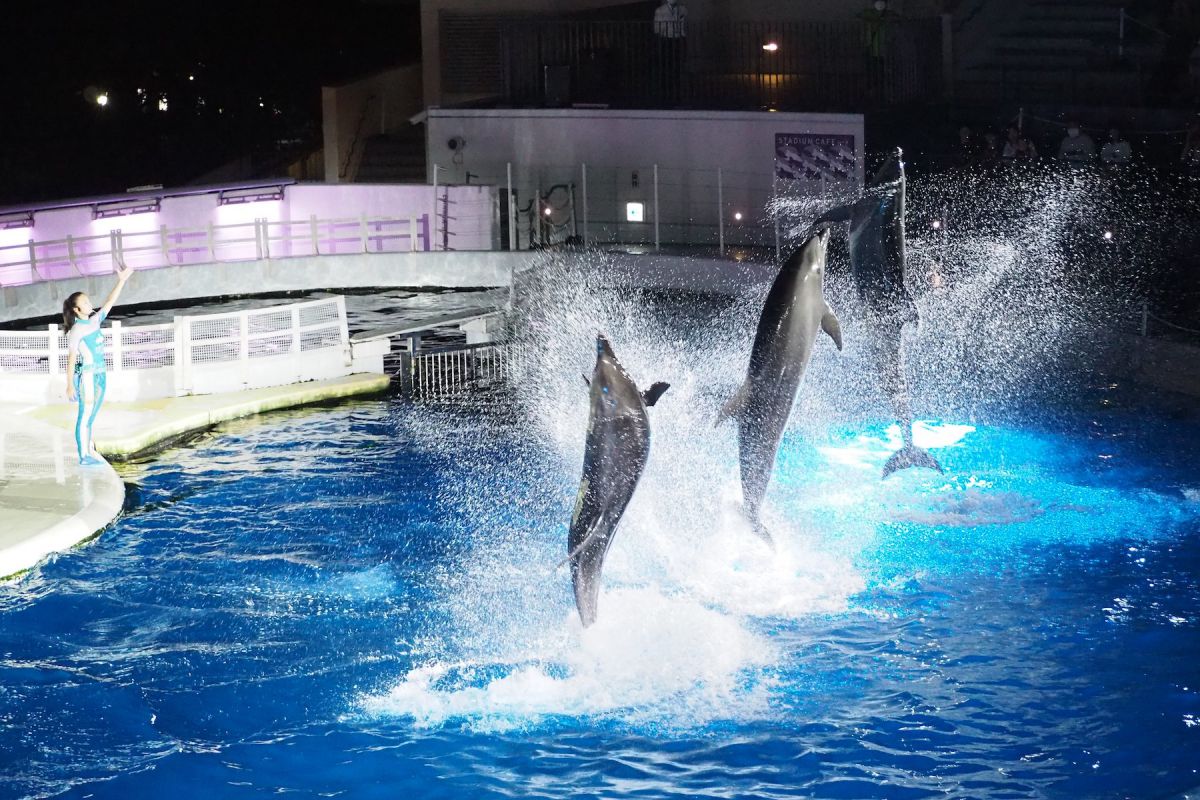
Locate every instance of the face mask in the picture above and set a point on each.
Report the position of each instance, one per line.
(1072, 132)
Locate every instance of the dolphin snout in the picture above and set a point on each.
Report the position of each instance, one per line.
(603, 346)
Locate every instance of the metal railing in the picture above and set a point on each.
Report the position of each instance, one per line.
(192, 354)
(454, 374)
(77, 256)
(810, 66)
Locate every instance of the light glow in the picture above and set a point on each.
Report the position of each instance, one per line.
(737, 215)
(635, 212)
(102, 99)
(771, 47)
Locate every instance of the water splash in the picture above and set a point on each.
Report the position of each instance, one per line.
(687, 589)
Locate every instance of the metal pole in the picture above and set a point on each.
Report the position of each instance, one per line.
(1121, 34)
(775, 214)
(657, 241)
(435, 235)
(583, 170)
(720, 214)
(512, 227)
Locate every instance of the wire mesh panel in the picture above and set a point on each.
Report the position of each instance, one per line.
(25, 352)
(148, 347)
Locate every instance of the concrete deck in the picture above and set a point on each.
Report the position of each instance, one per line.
(49, 503)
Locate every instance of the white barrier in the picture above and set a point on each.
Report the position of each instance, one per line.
(195, 354)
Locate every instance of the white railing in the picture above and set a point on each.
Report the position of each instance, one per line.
(191, 355)
(76, 256)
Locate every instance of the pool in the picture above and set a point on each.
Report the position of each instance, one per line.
(363, 601)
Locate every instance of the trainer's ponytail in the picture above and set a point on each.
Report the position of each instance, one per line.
(69, 313)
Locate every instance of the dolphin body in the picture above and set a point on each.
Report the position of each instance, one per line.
(618, 444)
(878, 267)
(794, 311)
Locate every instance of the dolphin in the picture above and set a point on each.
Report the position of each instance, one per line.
(878, 267)
(794, 311)
(618, 444)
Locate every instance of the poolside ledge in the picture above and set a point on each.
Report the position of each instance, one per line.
(49, 503)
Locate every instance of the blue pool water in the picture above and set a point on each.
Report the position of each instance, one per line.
(362, 601)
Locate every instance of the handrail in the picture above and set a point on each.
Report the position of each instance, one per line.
(73, 256)
(1148, 315)
(362, 119)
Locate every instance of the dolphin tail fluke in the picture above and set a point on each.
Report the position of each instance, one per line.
(761, 531)
(910, 456)
(733, 407)
(651, 395)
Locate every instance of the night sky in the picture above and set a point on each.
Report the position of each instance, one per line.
(214, 61)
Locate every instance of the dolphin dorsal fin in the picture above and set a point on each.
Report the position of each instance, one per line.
(733, 408)
(830, 324)
(651, 395)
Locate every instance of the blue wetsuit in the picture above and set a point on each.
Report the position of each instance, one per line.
(86, 341)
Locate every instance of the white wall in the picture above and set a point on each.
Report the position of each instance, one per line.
(547, 147)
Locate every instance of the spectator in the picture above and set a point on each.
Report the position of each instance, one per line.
(1011, 141)
(670, 32)
(1191, 148)
(1025, 150)
(876, 20)
(1077, 147)
(990, 150)
(966, 150)
(670, 20)
(1116, 151)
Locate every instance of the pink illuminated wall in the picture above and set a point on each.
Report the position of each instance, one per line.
(178, 232)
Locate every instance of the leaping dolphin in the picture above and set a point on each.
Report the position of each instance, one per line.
(618, 444)
(877, 263)
(795, 309)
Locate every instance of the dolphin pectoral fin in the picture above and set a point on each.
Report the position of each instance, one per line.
(651, 395)
(733, 407)
(910, 456)
(586, 380)
(830, 324)
(834, 215)
(596, 527)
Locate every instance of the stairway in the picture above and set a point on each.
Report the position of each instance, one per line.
(396, 157)
(1062, 52)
